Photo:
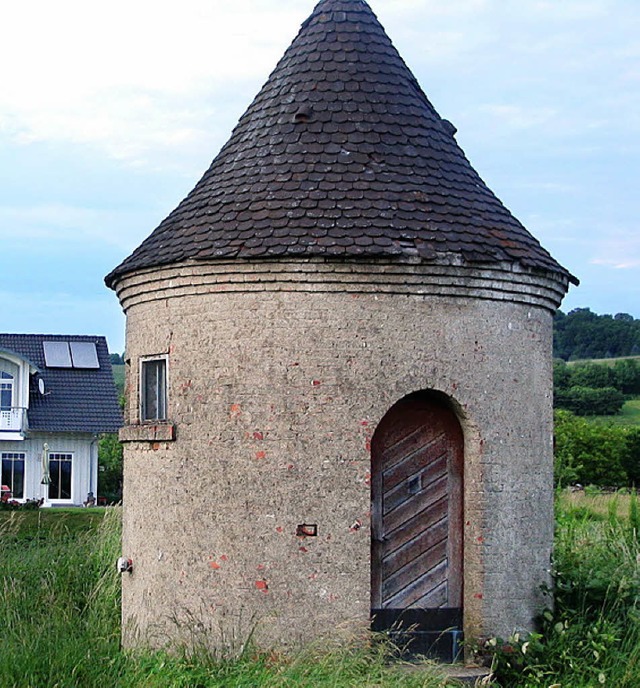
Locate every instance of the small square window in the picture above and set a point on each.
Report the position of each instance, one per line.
(153, 389)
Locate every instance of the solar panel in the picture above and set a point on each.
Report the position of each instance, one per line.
(57, 354)
(84, 355)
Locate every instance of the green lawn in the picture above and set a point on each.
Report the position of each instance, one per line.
(628, 417)
(45, 524)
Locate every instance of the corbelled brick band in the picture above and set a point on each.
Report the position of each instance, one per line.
(496, 282)
(275, 395)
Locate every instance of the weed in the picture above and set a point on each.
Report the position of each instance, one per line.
(592, 637)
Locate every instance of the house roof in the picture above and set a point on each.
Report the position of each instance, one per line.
(75, 399)
(341, 154)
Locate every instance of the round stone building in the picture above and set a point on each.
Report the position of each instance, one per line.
(339, 351)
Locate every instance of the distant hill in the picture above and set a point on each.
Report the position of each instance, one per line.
(582, 334)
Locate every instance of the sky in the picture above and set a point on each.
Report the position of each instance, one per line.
(111, 112)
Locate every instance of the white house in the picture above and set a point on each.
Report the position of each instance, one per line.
(57, 396)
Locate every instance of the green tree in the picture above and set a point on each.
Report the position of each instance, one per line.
(627, 375)
(589, 453)
(589, 401)
(592, 375)
(584, 334)
(561, 374)
(110, 467)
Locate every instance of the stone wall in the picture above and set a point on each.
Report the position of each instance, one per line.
(278, 375)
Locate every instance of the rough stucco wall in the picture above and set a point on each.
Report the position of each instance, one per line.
(275, 396)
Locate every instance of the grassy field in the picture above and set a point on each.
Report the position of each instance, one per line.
(629, 416)
(60, 620)
(48, 524)
(595, 505)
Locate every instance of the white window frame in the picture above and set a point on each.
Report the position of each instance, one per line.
(11, 381)
(15, 456)
(162, 392)
(7, 383)
(52, 457)
(20, 391)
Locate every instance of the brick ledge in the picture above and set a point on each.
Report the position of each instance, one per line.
(159, 432)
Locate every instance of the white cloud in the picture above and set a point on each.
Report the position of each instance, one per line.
(624, 264)
(61, 223)
(570, 9)
(151, 84)
(544, 93)
(433, 8)
(133, 76)
(621, 250)
(126, 125)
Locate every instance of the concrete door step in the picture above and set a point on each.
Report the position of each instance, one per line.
(458, 674)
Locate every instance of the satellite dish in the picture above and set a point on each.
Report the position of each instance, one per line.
(41, 386)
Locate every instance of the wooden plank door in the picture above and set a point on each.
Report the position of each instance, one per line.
(417, 462)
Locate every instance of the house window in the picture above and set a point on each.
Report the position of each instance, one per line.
(6, 390)
(60, 476)
(13, 472)
(153, 389)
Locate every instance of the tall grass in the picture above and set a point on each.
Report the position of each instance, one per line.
(60, 623)
(59, 603)
(336, 665)
(60, 617)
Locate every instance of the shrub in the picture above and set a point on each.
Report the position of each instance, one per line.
(627, 375)
(631, 457)
(110, 461)
(590, 401)
(593, 375)
(28, 505)
(589, 453)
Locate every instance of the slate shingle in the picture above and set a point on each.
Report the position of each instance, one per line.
(76, 399)
(340, 117)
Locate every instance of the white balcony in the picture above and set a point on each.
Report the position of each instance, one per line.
(12, 423)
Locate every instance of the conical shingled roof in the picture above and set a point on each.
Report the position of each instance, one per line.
(341, 154)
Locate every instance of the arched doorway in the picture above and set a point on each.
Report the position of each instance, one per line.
(417, 456)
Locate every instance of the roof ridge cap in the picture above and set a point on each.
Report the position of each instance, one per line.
(332, 6)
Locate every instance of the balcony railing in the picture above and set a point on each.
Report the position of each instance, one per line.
(12, 420)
